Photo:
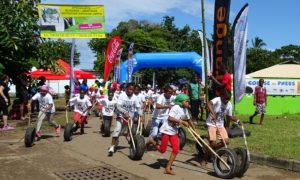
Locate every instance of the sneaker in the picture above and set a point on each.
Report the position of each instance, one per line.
(7, 128)
(111, 150)
(57, 130)
(39, 134)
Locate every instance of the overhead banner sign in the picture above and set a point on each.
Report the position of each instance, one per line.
(277, 86)
(71, 21)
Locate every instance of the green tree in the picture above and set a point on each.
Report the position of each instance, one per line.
(59, 49)
(151, 37)
(289, 52)
(19, 37)
(258, 43)
(259, 59)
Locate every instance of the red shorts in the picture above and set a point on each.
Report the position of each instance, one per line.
(78, 117)
(174, 140)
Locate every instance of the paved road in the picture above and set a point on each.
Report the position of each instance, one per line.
(52, 155)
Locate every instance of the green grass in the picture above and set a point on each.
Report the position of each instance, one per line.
(279, 136)
(276, 105)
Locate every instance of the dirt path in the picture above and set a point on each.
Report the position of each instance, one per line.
(52, 156)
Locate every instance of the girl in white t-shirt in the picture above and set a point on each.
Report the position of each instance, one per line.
(127, 104)
(47, 110)
(108, 108)
(178, 115)
(82, 105)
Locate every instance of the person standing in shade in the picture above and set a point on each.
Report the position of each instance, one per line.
(194, 94)
(4, 102)
(260, 101)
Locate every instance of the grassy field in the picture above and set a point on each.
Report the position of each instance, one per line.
(276, 105)
(279, 136)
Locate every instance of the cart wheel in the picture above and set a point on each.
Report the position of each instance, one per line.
(147, 127)
(29, 136)
(243, 162)
(230, 157)
(68, 132)
(106, 128)
(182, 137)
(138, 153)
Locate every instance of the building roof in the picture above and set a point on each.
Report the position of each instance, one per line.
(282, 70)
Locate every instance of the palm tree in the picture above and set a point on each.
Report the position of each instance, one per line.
(258, 43)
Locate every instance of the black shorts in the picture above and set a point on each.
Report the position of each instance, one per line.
(3, 108)
(23, 97)
(195, 103)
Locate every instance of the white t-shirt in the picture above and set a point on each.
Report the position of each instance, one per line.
(141, 99)
(162, 113)
(95, 95)
(44, 101)
(148, 94)
(176, 112)
(129, 104)
(221, 111)
(81, 104)
(108, 106)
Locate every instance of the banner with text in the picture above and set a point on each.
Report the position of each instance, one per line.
(221, 29)
(71, 21)
(277, 86)
(240, 26)
(130, 62)
(113, 48)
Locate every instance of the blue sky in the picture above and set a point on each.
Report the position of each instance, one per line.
(276, 22)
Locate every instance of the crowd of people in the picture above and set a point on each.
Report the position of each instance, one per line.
(170, 106)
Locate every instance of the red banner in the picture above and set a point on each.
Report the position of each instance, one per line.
(113, 48)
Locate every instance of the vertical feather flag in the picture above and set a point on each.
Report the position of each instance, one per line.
(130, 62)
(240, 26)
(111, 52)
(117, 66)
(208, 56)
(220, 45)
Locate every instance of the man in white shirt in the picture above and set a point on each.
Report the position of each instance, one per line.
(127, 105)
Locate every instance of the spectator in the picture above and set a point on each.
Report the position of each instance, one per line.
(67, 93)
(194, 94)
(4, 102)
(84, 86)
(22, 94)
(260, 101)
(76, 86)
(226, 81)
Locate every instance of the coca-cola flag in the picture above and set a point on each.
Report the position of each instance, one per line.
(113, 48)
